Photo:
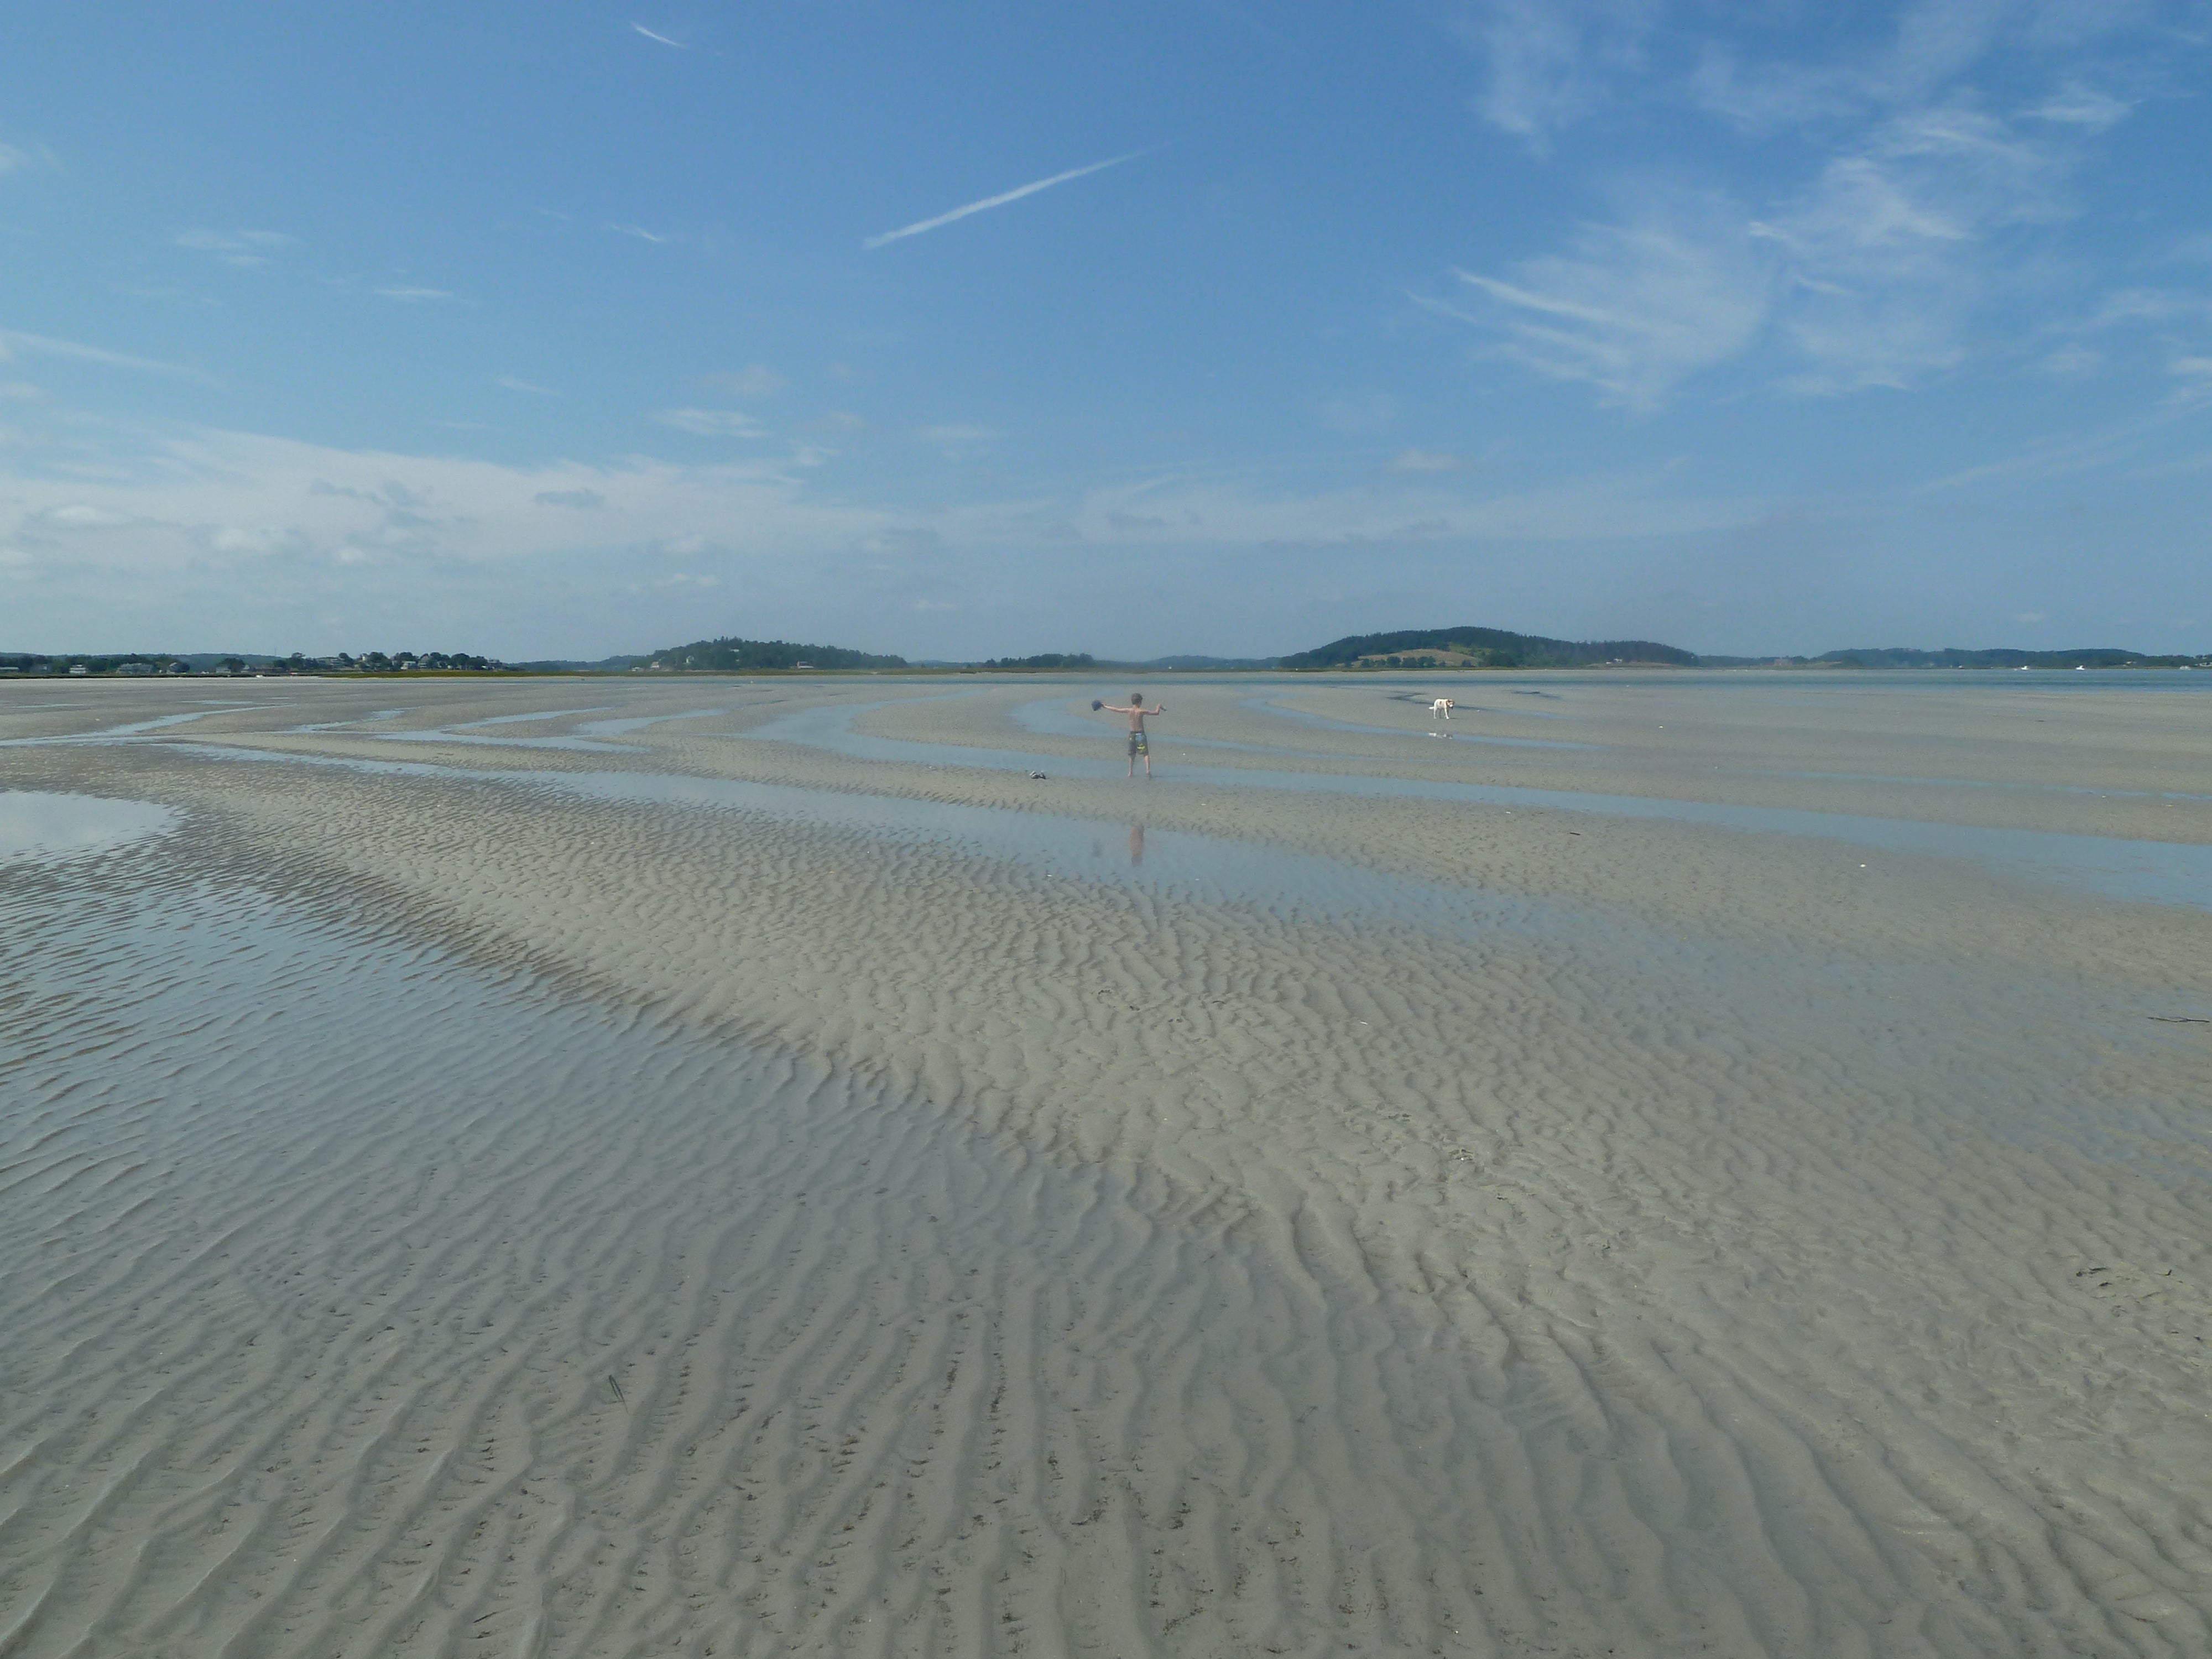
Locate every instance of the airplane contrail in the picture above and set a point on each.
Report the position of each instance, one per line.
(663, 39)
(1014, 195)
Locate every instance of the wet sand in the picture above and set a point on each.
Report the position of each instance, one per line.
(1681, 1164)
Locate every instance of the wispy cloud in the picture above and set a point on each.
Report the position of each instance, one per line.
(45, 345)
(1425, 461)
(416, 296)
(754, 381)
(515, 383)
(650, 35)
(18, 391)
(2078, 106)
(1877, 270)
(711, 422)
(1366, 412)
(15, 159)
(640, 232)
(1550, 62)
(2115, 445)
(158, 510)
(954, 434)
(233, 247)
(1637, 308)
(1001, 199)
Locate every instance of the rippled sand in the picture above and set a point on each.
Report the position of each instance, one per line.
(704, 1167)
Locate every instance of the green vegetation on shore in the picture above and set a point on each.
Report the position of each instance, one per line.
(1898, 656)
(1045, 659)
(734, 655)
(129, 663)
(1481, 648)
(1409, 648)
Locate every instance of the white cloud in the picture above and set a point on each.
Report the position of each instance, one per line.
(1937, 39)
(1898, 244)
(410, 295)
(754, 381)
(1772, 97)
(663, 39)
(1635, 309)
(244, 248)
(711, 422)
(2072, 359)
(2077, 106)
(1548, 65)
(1903, 240)
(1550, 62)
(1874, 273)
(47, 345)
(249, 539)
(1000, 200)
(954, 434)
(162, 511)
(14, 159)
(640, 232)
(78, 515)
(19, 390)
(1425, 461)
(1366, 411)
(515, 383)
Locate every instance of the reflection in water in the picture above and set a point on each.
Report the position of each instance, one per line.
(2162, 873)
(1136, 843)
(34, 823)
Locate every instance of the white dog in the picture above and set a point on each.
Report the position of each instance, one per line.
(1441, 709)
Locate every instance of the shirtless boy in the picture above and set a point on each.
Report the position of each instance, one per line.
(1135, 709)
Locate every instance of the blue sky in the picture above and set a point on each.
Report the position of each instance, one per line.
(566, 330)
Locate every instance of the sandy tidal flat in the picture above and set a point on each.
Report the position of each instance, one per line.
(1663, 1165)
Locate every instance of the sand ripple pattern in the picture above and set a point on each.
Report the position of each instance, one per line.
(450, 1216)
(358, 1306)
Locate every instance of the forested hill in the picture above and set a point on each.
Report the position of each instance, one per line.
(747, 656)
(1482, 648)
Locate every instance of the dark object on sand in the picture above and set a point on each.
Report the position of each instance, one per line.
(1096, 705)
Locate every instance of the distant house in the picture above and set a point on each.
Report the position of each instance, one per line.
(79, 668)
(134, 668)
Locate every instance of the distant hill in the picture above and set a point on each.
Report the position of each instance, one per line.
(1900, 656)
(746, 656)
(1481, 648)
